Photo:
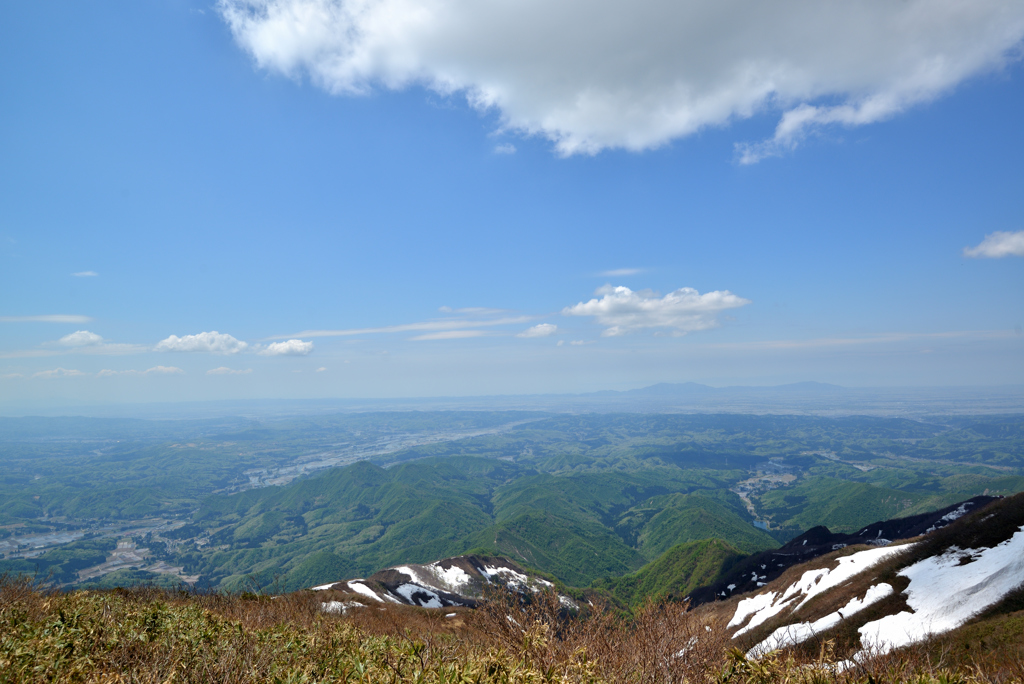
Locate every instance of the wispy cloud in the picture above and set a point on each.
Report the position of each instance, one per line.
(224, 370)
(210, 342)
(58, 373)
(621, 272)
(87, 342)
(85, 274)
(289, 348)
(53, 318)
(426, 326)
(540, 330)
(449, 335)
(321, 369)
(682, 311)
(998, 245)
(155, 370)
(505, 148)
(473, 310)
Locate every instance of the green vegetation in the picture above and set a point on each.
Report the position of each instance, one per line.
(581, 497)
(61, 565)
(675, 574)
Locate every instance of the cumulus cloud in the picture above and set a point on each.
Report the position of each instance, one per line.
(539, 330)
(85, 274)
(224, 370)
(682, 311)
(155, 370)
(80, 338)
(288, 348)
(997, 245)
(55, 318)
(58, 373)
(590, 75)
(213, 342)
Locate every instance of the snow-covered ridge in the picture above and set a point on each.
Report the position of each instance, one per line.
(459, 581)
(956, 572)
(764, 568)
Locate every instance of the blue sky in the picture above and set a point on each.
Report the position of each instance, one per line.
(210, 180)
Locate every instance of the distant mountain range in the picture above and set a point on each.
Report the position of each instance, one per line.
(800, 398)
(694, 389)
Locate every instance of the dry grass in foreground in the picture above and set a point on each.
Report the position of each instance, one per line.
(149, 635)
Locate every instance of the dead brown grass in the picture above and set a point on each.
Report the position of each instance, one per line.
(149, 635)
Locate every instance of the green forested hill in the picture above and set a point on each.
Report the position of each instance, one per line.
(571, 526)
(677, 572)
(309, 499)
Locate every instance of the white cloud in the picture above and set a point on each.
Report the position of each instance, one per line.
(80, 338)
(289, 348)
(621, 272)
(539, 330)
(56, 318)
(594, 74)
(997, 245)
(321, 369)
(155, 370)
(682, 311)
(578, 343)
(505, 148)
(449, 335)
(213, 342)
(85, 274)
(57, 373)
(12, 375)
(224, 370)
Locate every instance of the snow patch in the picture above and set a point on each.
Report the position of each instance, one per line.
(339, 606)
(950, 517)
(408, 590)
(516, 577)
(944, 594)
(366, 591)
(795, 634)
(453, 578)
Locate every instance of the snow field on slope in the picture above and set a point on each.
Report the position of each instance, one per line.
(763, 607)
(943, 594)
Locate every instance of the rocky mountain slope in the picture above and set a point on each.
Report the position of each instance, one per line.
(871, 600)
(758, 570)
